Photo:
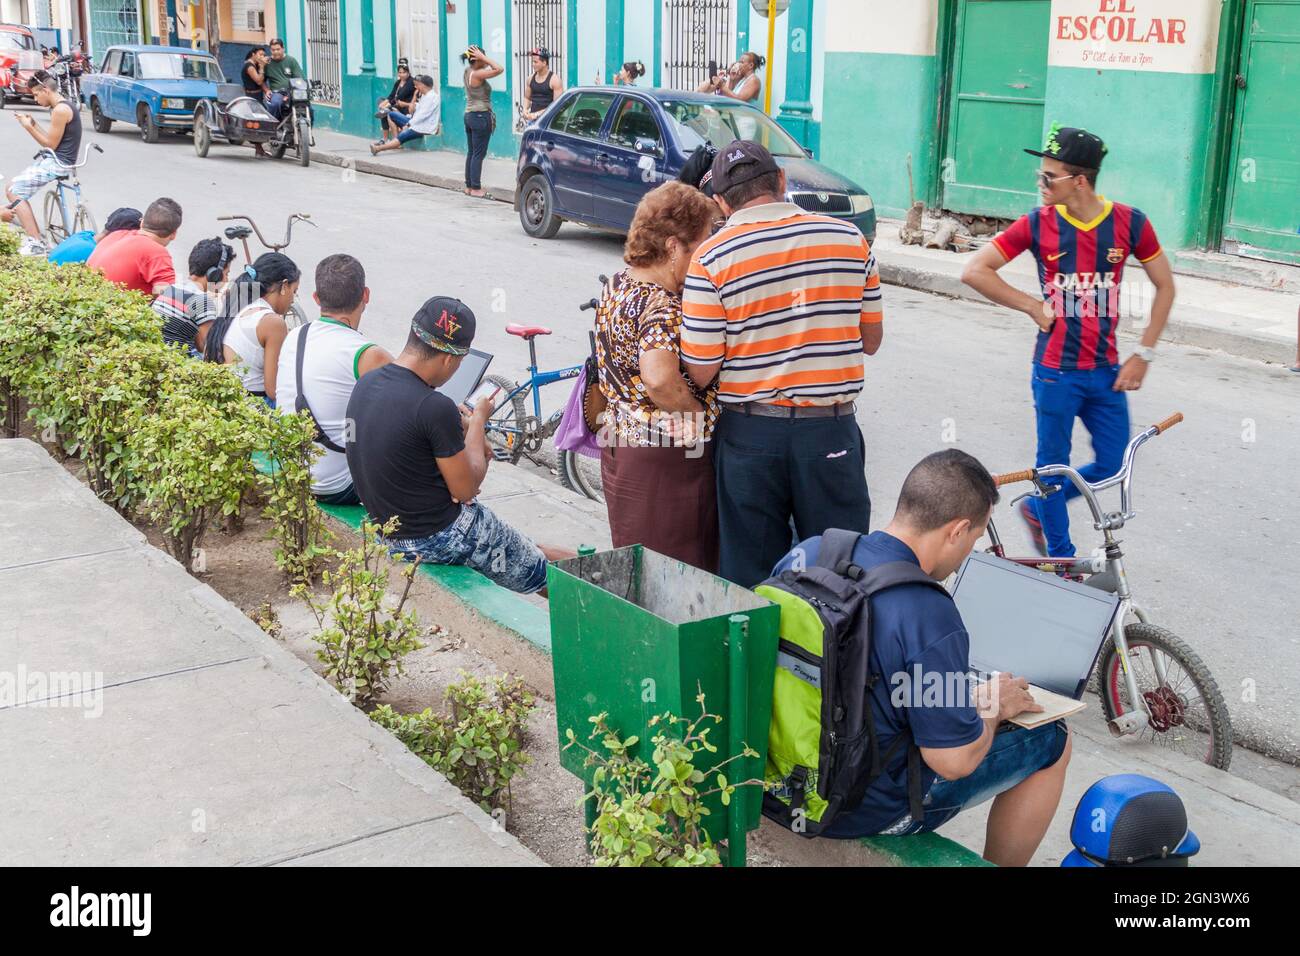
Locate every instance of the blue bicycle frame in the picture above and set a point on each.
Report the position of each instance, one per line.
(537, 380)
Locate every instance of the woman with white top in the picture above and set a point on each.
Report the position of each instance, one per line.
(742, 81)
(251, 330)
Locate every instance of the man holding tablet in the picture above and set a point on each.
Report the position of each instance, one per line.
(418, 457)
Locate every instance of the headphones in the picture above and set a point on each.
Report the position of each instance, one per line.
(216, 272)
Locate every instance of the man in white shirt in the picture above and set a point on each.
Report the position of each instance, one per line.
(423, 121)
(320, 363)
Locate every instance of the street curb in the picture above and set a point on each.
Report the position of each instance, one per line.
(372, 168)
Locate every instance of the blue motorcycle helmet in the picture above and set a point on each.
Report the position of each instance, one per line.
(1127, 819)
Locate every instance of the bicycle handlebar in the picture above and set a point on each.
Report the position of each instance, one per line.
(85, 156)
(1123, 477)
(288, 228)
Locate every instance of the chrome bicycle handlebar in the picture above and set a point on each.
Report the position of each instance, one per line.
(1102, 521)
(288, 228)
(85, 156)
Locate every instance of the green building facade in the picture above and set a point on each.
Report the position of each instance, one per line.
(915, 99)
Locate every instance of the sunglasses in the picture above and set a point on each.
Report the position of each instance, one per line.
(1046, 179)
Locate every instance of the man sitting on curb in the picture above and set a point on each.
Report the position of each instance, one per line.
(320, 364)
(414, 456)
(140, 260)
(423, 121)
(78, 246)
(969, 755)
(188, 306)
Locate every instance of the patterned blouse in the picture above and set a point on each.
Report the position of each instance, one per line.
(636, 317)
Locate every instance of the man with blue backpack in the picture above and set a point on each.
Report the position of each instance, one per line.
(876, 728)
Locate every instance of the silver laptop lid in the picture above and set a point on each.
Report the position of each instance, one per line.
(1031, 624)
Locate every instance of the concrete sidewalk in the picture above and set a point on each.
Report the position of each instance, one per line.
(145, 721)
(1256, 323)
(1240, 823)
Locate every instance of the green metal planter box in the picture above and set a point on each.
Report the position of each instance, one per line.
(635, 634)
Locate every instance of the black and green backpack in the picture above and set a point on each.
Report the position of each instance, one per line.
(822, 749)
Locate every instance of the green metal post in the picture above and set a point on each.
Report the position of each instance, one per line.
(737, 721)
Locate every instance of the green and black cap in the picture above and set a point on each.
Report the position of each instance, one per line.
(1072, 146)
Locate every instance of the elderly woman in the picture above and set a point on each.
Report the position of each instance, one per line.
(656, 463)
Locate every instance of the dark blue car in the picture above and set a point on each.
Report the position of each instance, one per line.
(593, 155)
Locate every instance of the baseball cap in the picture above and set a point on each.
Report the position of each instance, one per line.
(1072, 146)
(541, 53)
(124, 218)
(445, 324)
(738, 163)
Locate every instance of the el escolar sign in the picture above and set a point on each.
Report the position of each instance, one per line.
(1158, 36)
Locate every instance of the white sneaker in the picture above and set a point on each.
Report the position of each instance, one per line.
(33, 247)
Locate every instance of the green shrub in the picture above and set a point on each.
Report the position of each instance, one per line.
(297, 523)
(477, 744)
(96, 401)
(653, 815)
(368, 635)
(47, 310)
(195, 464)
(10, 240)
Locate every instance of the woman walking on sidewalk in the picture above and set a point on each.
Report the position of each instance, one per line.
(480, 121)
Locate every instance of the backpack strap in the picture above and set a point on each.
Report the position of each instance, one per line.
(836, 552)
(300, 402)
(894, 573)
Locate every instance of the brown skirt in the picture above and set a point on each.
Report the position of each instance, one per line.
(660, 498)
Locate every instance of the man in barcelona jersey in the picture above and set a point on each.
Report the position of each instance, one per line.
(1081, 241)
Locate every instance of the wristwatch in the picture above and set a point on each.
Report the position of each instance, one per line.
(1146, 353)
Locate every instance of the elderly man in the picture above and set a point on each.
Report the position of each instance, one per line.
(424, 121)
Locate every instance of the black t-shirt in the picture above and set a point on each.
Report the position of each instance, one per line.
(251, 86)
(400, 427)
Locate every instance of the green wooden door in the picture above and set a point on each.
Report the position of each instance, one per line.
(1263, 208)
(995, 107)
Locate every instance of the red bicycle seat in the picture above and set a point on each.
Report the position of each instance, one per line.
(527, 331)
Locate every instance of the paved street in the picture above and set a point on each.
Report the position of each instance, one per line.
(1216, 541)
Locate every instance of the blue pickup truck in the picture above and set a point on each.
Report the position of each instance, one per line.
(154, 87)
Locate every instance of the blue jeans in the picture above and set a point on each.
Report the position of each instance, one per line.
(275, 103)
(478, 130)
(1059, 398)
(480, 540)
(1016, 755)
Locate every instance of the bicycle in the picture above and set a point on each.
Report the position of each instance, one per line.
(514, 433)
(65, 212)
(1144, 673)
(296, 316)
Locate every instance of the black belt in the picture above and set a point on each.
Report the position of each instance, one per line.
(792, 411)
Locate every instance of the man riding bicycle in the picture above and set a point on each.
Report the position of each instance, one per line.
(63, 138)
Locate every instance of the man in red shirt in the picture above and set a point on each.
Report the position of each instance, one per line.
(140, 260)
(1081, 241)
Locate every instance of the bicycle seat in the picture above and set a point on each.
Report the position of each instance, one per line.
(527, 331)
(238, 232)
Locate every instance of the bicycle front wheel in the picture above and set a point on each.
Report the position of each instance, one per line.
(1186, 709)
(505, 428)
(55, 230)
(85, 220)
(580, 473)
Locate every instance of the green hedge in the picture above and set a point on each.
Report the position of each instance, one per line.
(161, 435)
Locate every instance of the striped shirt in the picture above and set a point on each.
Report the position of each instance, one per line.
(779, 297)
(184, 307)
(1081, 270)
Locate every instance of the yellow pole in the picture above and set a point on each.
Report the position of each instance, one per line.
(194, 24)
(771, 49)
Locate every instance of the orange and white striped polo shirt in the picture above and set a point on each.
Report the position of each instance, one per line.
(779, 297)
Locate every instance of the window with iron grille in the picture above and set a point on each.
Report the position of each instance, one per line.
(324, 66)
(696, 32)
(113, 22)
(538, 23)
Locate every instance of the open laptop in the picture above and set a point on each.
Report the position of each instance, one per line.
(1033, 625)
(468, 377)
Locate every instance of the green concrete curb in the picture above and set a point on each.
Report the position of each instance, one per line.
(490, 600)
(923, 849)
(533, 624)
